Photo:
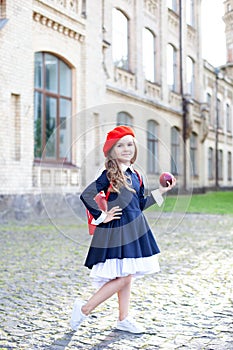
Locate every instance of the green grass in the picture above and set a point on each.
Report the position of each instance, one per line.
(208, 203)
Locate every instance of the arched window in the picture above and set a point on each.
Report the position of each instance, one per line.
(52, 108)
(190, 75)
(193, 154)
(120, 39)
(152, 147)
(124, 118)
(149, 55)
(171, 67)
(175, 151)
(210, 163)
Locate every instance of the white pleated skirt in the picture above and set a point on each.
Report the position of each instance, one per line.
(102, 273)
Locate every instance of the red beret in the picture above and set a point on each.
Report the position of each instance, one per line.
(115, 135)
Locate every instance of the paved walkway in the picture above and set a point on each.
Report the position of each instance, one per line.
(188, 305)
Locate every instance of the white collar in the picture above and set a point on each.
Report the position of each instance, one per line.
(125, 167)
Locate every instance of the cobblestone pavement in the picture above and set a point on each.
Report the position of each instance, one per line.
(188, 305)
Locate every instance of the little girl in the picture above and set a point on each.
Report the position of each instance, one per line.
(123, 245)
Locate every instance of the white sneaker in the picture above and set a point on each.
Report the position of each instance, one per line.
(77, 316)
(129, 325)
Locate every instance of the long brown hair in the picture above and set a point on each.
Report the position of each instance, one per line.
(114, 173)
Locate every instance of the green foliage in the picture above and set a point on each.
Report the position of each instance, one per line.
(208, 203)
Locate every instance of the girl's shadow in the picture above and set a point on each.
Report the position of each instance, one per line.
(110, 338)
(62, 343)
(115, 336)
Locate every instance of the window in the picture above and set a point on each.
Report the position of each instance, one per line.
(193, 154)
(152, 147)
(120, 39)
(190, 12)
(52, 108)
(210, 163)
(172, 4)
(190, 75)
(149, 55)
(229, 166)
(228, 117)
(175, 151)
(172, 67)
(124, 118)
(219, 117)
(209, 101)
(220, 164)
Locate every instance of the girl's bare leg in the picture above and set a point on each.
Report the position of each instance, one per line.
(105, 292)
(124, 300)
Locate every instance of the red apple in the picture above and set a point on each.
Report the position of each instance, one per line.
(164, 177)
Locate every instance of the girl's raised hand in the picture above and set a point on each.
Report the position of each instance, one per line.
(169, 187)
(113, 214)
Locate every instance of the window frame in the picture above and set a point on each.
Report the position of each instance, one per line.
(210, 163)
(151, 77)
(209, 100)
(229, 166)
(175, 151)
(220, 164)
(172, 66)
(194, 154)
(152, 147)
(219, 121)
(190, 13)
(190, 64)
(126, 63)
(46, 94)
(124, 118)
(228, 118)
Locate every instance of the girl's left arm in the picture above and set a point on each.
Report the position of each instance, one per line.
(156, 196)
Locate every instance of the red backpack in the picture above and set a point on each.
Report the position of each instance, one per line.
(102, 201)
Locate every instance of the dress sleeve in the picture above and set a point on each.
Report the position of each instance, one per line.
(147, 201)
(87, 196)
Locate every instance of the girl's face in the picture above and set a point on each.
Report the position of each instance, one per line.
(124, 150)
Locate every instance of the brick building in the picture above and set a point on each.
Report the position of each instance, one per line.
(72, 70)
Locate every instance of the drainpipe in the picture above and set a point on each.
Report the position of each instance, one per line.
(216, 71)
(182, 96)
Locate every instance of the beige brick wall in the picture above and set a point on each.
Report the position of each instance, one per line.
(100, 90)
(16, 99)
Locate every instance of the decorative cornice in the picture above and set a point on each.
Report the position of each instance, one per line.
(191, 35)
(151, 7)
(173, 19)
(50, 23)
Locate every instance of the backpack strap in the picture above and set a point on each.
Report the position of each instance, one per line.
(139, 177)
(108, 192)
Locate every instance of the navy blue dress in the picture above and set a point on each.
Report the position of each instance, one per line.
(129, 237)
